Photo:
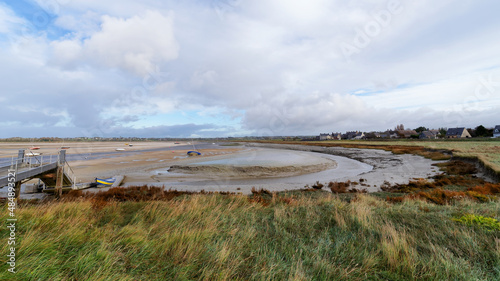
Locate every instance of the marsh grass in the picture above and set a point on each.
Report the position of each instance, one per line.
(300, 235)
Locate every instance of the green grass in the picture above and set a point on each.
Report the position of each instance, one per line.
(295, 236)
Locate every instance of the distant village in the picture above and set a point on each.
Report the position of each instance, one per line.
(400, 132)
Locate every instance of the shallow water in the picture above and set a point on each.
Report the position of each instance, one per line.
(269, 157)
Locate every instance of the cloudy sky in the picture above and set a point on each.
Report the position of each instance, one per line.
(245, 67)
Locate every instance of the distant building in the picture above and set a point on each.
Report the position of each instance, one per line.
(359, 136)
(393, 135)
(406, 133)
(457, 133)
(323, 137)
(385, 135)
(496, 132)
(353, 135)
(435, 132)
(432, 134)
(336, 136)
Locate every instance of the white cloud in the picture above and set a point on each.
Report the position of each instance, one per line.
(136, 44)
(8, 19)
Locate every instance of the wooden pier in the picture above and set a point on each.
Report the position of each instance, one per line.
(53, 171)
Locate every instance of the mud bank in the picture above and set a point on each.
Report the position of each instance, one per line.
(252, 171)
(485, 172)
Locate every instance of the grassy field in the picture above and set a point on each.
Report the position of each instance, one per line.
(294, 236)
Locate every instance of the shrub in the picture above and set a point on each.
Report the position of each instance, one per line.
(318, 185)
(339, 187)
(486, 223)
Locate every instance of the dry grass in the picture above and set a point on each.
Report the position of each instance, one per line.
(296, 235)
(134, 193)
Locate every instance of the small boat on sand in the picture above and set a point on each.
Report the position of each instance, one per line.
(31, 154)
(34, 148)
(65, 147)
(120, 149)
(107, 182)
(193, 153)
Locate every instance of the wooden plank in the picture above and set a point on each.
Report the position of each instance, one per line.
(118, 181)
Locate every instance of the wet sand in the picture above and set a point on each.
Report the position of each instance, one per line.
(9, 149)
(253, 164)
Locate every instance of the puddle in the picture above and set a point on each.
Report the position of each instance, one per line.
(180, 157)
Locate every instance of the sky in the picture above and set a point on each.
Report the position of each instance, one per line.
(219, 68)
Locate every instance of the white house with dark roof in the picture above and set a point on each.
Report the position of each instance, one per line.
(457, 133)
(496, 131)
(325, 137)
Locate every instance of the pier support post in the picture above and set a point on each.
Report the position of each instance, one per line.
(59, 181)
(60, 173)
(18, 190)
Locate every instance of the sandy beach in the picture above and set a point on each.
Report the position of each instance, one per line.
(9, 149)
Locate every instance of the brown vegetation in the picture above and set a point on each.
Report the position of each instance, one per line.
(318, 185)
(457, 167)
(480, 193)
(134, 193)
(457, 173)
(343, 187)
(261, 195)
